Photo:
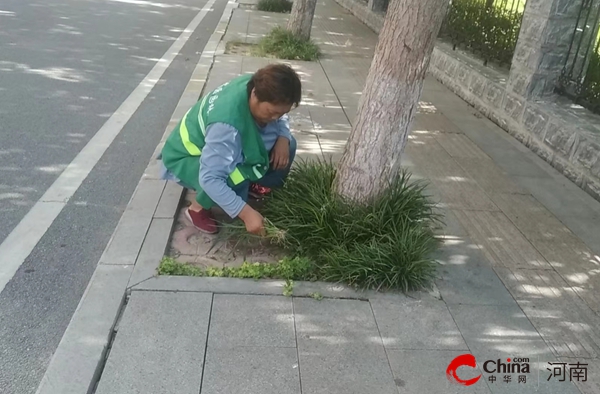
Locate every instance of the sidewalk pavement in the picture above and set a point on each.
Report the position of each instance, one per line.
(519, 268)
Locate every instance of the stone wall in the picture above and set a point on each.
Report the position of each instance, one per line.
(563, 134)
(362, 11)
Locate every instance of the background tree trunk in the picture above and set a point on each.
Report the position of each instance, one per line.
(390, 97)
(301, 17)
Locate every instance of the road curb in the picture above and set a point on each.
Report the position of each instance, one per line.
(163, 220)
(131, 256)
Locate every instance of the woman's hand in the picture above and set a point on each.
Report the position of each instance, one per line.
(280, 154)
(253, 220)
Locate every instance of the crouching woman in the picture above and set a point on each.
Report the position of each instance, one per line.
(233, 143)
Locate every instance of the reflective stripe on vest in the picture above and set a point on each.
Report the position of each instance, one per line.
(185, 138)
(236, 176)
(200, 119)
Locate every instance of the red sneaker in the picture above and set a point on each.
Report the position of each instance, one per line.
(257, 191)
(202, 220)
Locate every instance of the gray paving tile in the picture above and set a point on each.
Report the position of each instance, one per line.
(457, 189)
(534, 285)
(225, 68)
(498, 328)
(459, 251)
(313, 146)
(300, 122)
(462, 193)
(488, 176)
(317, 92)
(496, 146)
(351, 111)
(251, 370)
(531, 217)
(561, 197)
(460, 146)
(511, 160)
(433, 329)
(345, 370)
(251, 64)
(424, 371)
(566, 201)
(262, 22)
(433, 84)
(570, 331)
(340, 349)
(238, 26)
(586, 228)
(467, 278)
(335, 322)
(433, 123)
(452, 229)
(159, 347)
(576, 264)
(259, 321)
(560, 315)
(422, 146)
(330, 119)
(500, 241)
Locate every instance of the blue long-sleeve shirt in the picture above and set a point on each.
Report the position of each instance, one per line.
(222, 152)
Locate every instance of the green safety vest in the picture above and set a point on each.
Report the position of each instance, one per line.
(226, 104)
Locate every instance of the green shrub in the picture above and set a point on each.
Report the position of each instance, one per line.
(490, 30)
(283, 6)
(589, 96)
(386, 243)
(282, 44)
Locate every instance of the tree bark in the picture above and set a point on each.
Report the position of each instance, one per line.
(390, 98)
(301, 17)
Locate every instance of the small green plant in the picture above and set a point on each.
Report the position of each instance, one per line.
(288, 268)
(169, 266)
(282, 44)
(288, 288)
(283, 6)
(317, 296)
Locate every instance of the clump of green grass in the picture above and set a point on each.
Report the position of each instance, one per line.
(385, 243)
(297, 268)
(283, 6)
(282, 44)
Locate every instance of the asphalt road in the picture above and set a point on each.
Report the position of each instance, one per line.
(65, 67)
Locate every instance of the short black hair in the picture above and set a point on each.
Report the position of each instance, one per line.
(276, 84)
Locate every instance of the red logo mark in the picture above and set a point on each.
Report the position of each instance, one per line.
(467, 360)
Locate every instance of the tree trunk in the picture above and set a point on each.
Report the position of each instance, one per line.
(489, 4)
(390, 97)
(301, 17)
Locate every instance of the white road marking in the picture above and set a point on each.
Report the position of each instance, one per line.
(26, 235)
